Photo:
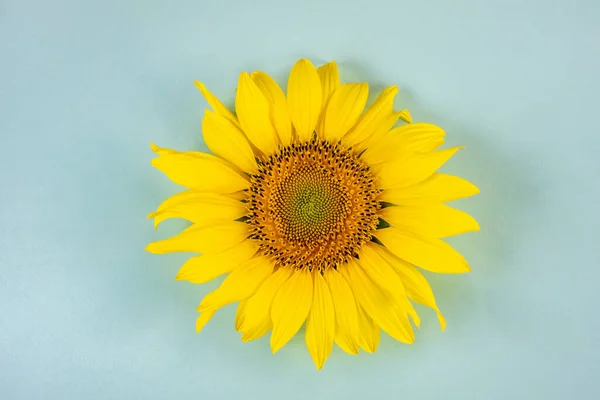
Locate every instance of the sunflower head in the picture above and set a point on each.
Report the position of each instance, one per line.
(318, 211)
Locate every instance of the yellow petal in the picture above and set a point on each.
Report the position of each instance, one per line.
(330, 81)
(216, 104)
(369, 332)
(240, 284)
(329, 78)
(436, 221)
(279, 113)
(341, 339)
(378, 119)
(343, 109)
(202, 320)
(411, 170)
(240, 315)
(290, 307)
(439, 188)
(202, 269)
(417, 287)
(401, 142)
(405, 116)
(304, 98)
(257, 320)
(430, 254)
(375, 301)
(345, 311)
(386, 278)
(239, 196)
(253, 112)
(320, 325)
(199, 208)
(202, 239)
(199, 171)
(226, 140)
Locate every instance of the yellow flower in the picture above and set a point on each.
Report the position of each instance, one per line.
(317, 209)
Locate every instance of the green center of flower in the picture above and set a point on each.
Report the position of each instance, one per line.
(311, 204)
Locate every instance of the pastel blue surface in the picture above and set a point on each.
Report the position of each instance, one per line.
(85, 313)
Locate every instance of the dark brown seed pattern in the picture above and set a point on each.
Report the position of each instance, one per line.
(312, 205)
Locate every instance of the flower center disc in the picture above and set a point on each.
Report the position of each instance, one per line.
(312, 205)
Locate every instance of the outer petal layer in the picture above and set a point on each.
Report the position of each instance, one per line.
(403, 141)
(202, 269)
(203, 319)
(320, 325)
(280, 116)
(343, 109)
(411, 170)
(430, 254)
(199, 208)
(417, 287)
(384, 276)
(290, 307)
(375, 302)
(330, 81)
(216, 104)
(257, 318)
(239, 284)
(254, 114)
(346, 315)
(199, 171)
(369, 332)
(378, 119)
(436, 221)
(202, 239)
(226, 140)
(304, 96)
(439, 188)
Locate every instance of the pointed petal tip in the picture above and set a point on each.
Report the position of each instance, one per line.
(275, 346)
(180, 276)
(205, 305)
(416, 320)
(442, 321)
(304, 62)
(203, 319)
(201, 87)
(245, 75)
(393, 90)
(405, 116)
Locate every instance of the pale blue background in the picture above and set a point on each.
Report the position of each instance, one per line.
(85, 313)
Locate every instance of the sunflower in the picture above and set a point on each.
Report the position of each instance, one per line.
(318, 211)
